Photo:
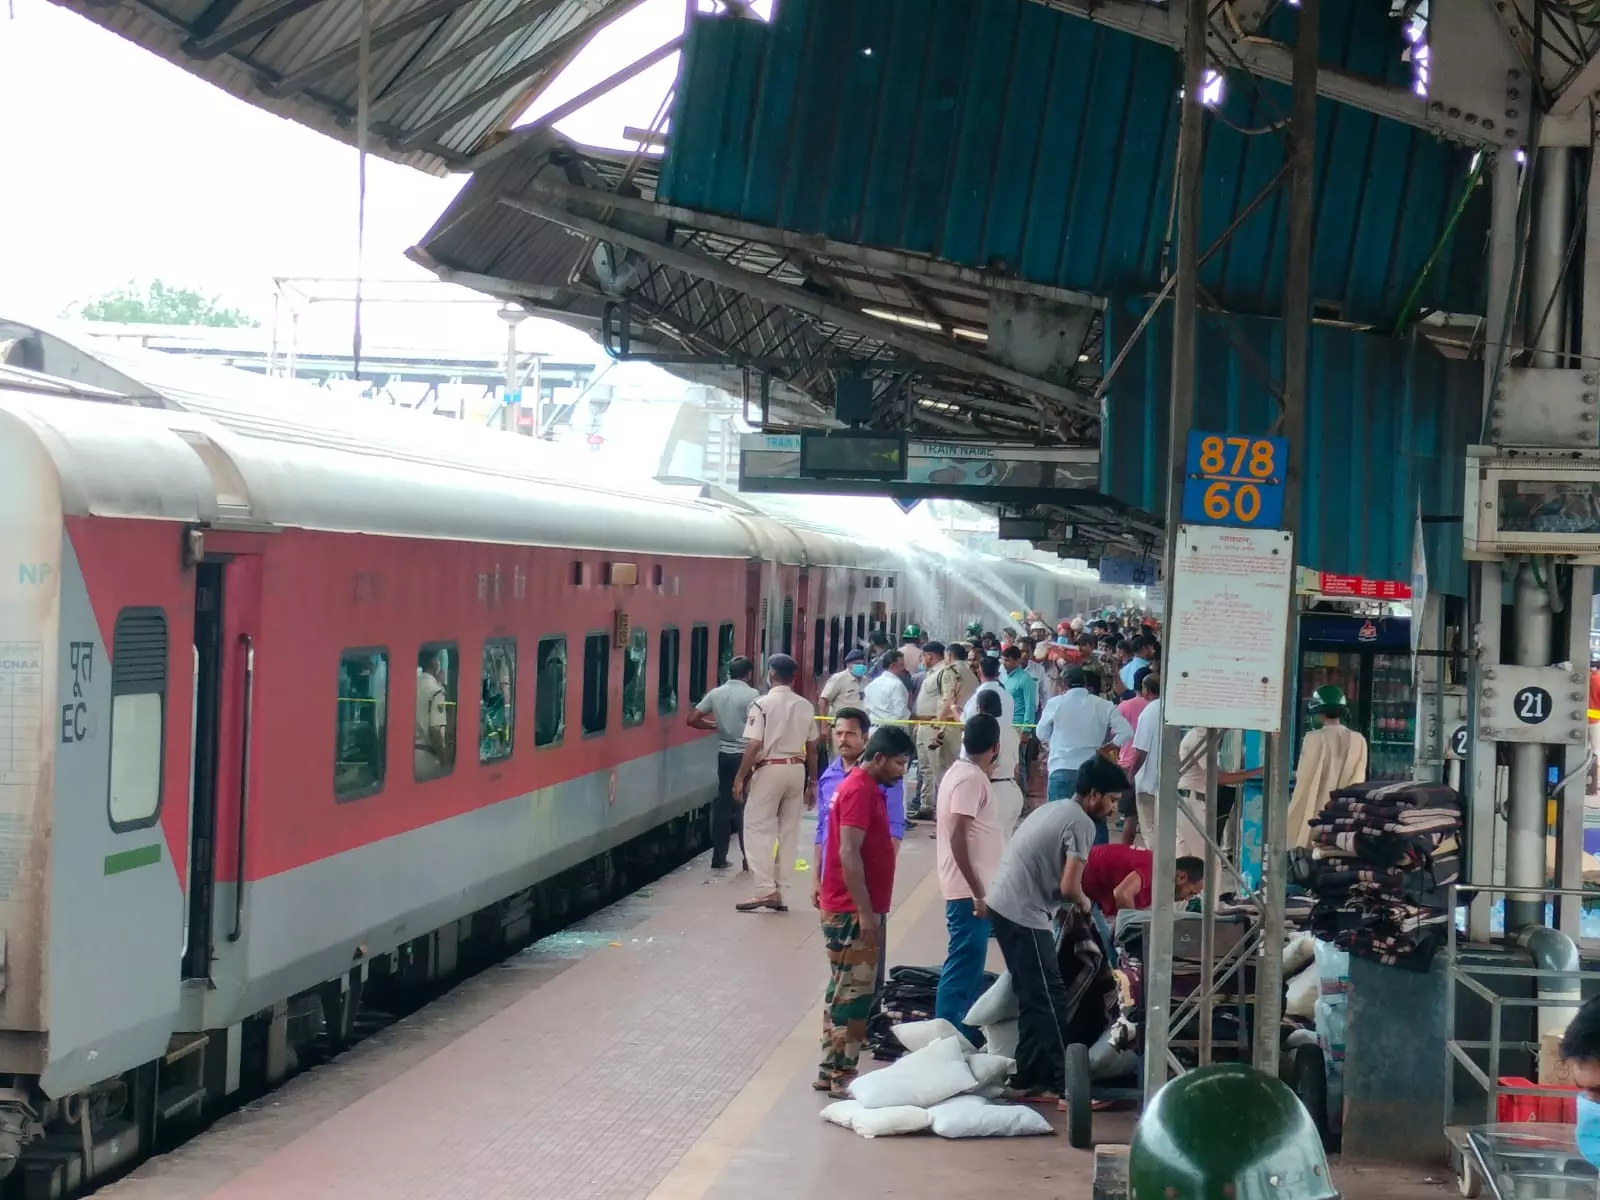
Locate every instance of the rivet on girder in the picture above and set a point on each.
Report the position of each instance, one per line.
(1487, 123)
(1456, 112)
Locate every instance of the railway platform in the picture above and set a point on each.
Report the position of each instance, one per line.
(661, 1052)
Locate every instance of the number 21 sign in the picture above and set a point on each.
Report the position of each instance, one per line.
(1234, 479)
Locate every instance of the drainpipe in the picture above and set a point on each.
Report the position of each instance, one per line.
(1547, 282)
(1554, 951)
(1526, 815)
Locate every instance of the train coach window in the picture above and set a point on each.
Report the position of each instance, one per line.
(633, 678)
(362, 723)
(550, 695)
(596, 682)
(433, 752)
(699, 662)
(497, 719)
(138, 706)
(833, 644)
(667, 681)
(725, 650)
(819, 648)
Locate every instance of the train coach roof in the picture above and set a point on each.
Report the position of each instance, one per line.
(114, 460)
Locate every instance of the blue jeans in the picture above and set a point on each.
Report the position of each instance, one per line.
(1062, 784)
(961, 980)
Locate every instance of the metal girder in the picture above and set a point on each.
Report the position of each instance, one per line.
(1467, 95)
(1477, 75)
(255, 25)
(772, 292)
(525, 133)
(894, 262)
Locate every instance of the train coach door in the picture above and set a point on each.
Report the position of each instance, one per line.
(753, 630)
(226, 608)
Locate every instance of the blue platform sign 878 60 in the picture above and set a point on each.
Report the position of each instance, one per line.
(1234, 479)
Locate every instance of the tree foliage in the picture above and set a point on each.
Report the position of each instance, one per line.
(160, 304)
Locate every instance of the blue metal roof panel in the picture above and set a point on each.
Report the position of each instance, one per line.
(1003, 133)
(1387, 424)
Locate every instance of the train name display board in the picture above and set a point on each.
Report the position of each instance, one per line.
(1234, 479)
(1231, 591)
(984, 473)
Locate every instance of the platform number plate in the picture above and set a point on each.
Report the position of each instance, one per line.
(1458, 742)
(1532, 705)
(1231, 479)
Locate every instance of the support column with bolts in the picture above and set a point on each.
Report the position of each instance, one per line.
(1185, 319)
(1525, 850)
(1296, 374)
(1547, 324)
(1485, 831)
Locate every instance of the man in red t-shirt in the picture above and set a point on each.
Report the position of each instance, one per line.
(1117, 876)
(857, 886)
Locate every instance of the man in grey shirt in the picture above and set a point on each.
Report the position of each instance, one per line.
(724, 709)
(1040, 872)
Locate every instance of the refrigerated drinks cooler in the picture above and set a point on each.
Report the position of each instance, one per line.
(1370, 658)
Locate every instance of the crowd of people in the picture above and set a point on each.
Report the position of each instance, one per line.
(1018, 746)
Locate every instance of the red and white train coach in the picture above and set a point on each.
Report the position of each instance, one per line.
(214, 818)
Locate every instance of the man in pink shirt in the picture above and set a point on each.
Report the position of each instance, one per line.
(1130, 709)
(971, 836)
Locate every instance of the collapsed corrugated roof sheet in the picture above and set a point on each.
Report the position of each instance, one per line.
(447, 77)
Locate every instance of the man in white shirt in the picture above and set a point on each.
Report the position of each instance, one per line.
(886, 697)
(1148, 780)
(989, 673)
(1076, 725)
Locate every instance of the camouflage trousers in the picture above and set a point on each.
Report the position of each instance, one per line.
(847, 1004)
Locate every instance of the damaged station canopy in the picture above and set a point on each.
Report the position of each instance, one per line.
(865, 371)
(942, 225)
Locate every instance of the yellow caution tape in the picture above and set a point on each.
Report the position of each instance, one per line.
(918, 721)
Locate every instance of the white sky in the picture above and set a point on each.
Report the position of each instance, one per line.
(122, 166)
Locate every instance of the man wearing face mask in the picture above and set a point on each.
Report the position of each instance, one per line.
(843, 689)
(1580, 1047)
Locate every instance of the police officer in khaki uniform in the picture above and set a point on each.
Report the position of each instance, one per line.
(776, 778)
(931, 739)
(432, 755)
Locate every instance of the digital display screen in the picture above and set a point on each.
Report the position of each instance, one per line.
(1029, 529)
(1549, 506)
(852, 455)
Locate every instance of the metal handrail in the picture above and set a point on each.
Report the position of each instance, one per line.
(244, 782)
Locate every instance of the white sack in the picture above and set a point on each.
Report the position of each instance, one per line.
(842, 1113)
(1299, 954)
(973, 1116)
(923, 1077)
(1001, 1038)
(877, 1122)
(990, 1068)
(1303, 991)
(998, 1004)
(914, 1035)
(888, 1122)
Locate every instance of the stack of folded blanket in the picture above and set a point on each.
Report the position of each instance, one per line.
(1382, 859)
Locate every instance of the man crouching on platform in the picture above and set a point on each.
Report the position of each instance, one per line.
(857, 887)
